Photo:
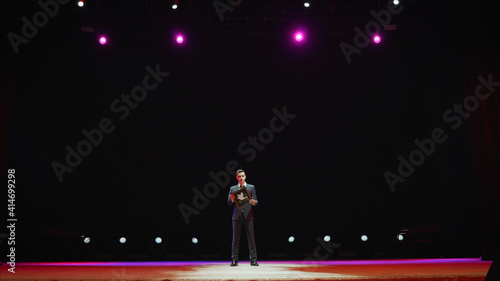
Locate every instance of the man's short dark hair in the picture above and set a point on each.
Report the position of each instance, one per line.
(239, 171)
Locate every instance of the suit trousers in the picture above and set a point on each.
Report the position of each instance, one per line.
(249, 231)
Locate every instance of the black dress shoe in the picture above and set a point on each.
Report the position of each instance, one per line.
(234, 263)
(254, 263)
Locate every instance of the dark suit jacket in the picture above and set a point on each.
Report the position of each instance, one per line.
(247, 210)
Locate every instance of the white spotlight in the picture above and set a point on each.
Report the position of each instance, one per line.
(81, 3)
(400, 237)
(123, 240)
(86, 240)
(174, 6)
(395, 2)
(327, 238)
(291, 239)
(364, 238)
(194, 240)
(306, 4)
(158, 240)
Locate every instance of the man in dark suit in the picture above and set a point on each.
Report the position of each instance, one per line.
(243, 216)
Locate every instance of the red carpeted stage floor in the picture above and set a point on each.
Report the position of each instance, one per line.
(407, 269)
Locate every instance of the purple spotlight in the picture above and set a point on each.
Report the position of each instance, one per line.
(377, 39)
(299, 36)
(103, 40)
(179, 39)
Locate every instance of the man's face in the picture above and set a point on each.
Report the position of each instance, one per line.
(241, 177)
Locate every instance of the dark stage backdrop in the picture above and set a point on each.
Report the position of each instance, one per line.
(343, 130)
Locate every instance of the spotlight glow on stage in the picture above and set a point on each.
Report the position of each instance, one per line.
(194, 240)
(400, 237)
(86, 240)
(327, 238)
(179, 39)
(395, 2)
(158, 240)
(103, 40)
(377, 39)
(364, 238)
(299, 36)
(123, 240)
(81, 3)
(291, 239)
(306, 4)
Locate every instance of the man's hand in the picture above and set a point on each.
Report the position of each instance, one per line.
(232, 197)
(252, 201)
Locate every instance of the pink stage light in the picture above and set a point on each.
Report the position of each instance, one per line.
(377, 39)
(179, 39)
(299, 36)
(103, 40)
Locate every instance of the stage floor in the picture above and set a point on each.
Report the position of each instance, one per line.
(405, 269)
